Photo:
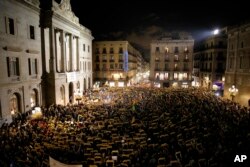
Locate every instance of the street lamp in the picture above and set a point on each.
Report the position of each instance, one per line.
(233, 91)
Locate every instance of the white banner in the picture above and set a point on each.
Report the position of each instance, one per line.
(71, 77)
(55, 163)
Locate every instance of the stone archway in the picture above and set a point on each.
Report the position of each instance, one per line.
(34, 98)
(62, 92)
(15, 104)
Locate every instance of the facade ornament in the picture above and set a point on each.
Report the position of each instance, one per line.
(65, 5)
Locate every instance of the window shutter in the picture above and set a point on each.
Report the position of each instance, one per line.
(36, 66)
(29, 66)
(8, 66)
(17, 67)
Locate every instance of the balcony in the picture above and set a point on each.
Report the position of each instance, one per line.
(219, 70)
(167, 69)
(176, 69)
(167, 60)
(176, 60)
(104, 60)
(186, 60)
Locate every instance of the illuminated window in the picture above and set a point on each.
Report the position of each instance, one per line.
(186, 50)
(120, 84)
(157, 75)
(111, 84)
(112, 57)
(161, 76)
(175, 75)
(180, 76)
(166, 50)
(33, 97)
(176, 57)
(175, 66)
(185, 75)
(14, 104)
(166, 75)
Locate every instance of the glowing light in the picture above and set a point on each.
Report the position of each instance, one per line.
(216, 31)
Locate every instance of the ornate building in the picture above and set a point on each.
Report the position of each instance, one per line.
(45, 56)
(20, 57)
(210, 61)
(67, 54)
(116, 63)
(171, 60)
(238, 64)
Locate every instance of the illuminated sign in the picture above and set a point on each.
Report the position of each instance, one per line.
(125, 64)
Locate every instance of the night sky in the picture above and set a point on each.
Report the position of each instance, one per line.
(140, 21)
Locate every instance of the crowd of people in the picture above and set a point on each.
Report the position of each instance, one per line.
(139, 127)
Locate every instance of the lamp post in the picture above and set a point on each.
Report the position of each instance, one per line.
(233, 91)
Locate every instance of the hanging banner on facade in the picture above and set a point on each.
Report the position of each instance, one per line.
(125, 64)
(55, 163)
(71, 77)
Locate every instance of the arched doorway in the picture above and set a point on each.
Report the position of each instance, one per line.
(33, 98)
(84, 83)
(15, 104)
(62, 92)
(71, 92)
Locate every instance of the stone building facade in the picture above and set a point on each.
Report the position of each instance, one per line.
(238, 63)
(210, 61)
(116, 63)
(171, 60)
(45, 56)
(67, 55)
(20, 57)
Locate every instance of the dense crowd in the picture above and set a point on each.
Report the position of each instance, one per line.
(144, 127)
